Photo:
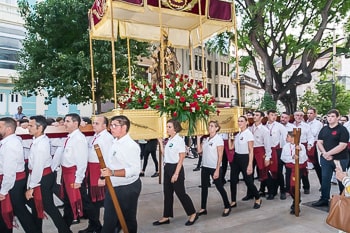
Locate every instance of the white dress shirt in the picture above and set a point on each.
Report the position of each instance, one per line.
(261, 138)
(315, 126)
(288, 153)
(306, 134)
(11, 161)
(277, 133)
(39, 159)
(105, 140)
(124, 154)
(75, 153)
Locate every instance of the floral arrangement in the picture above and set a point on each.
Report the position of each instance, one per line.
(185, 99)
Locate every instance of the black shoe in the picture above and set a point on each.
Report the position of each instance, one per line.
(157, 223)
(204, 212)
(320, 202)
(247, 198)
(234, 205)
(141, 174)
(292, 211)
(156, 174)
(76, 221)
(196, 169)
(189, 223)
(270, 197)
(283, 196)
(306, 191)
(257, 205)
(225, 214)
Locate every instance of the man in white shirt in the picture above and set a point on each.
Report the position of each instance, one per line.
(12, 179)
(285, 118)
(93, 195)
(315, 127)
(307, 139)
(73, 163)
(123, 167)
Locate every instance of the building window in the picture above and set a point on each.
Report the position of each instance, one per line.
(196, 62)
(14, 98)
(222, 68)
(222, 90)
(216, 90)
(209, 69)
(200, 63)
(216, 68)
(1, 97)
(209, 88)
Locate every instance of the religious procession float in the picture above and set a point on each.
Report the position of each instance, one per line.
(170, 24)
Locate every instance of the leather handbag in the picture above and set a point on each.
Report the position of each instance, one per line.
(339, 212)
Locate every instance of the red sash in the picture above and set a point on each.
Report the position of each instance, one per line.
(38, 199)
(68, 179)
(274, 161)
(310, 153)
(259, 155)
(6, 205)
(303, 171)
(348, 145)
(229, 153)
(93, 173)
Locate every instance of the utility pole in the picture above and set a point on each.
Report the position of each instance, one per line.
(333, 73)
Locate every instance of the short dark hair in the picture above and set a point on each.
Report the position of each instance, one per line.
(40, 121)
(50, 121)
(335, 111)
(291, 134)
(285, 113)
(9, 122)
(123, 120)
(87, 120)
(271, 111)
(262, 114)
(347, 118)
(176, 124)
(75, 117)
(313, 109)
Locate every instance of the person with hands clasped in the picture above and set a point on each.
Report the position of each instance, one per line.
(212, 148)
(174, 176)
(288, 156)
(123, 167)
(243, 162)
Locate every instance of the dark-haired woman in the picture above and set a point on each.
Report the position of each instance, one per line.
(212, 148)
(174, 176)
(243, 162)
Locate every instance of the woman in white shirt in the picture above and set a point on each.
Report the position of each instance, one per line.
(212, 148)
(174, 176)
(243, 162)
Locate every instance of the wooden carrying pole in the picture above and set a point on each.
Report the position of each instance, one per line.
(297, 133)
(111, 191)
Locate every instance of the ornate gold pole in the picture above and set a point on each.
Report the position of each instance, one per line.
(114, 73)
(236, 54)
(129, 62)
(204, 72)
(162, 69)
(92, 71)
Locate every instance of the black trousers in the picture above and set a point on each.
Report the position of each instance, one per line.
(128, 196)
(224, 165)
(205, 178)
(19, 207)
(288, 177)
(280, 181)
(240, 164)
(46, 184)
(91, 209)
(179, 188)
(150, 148)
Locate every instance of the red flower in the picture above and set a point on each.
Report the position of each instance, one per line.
(218, 112)
(171, 101)
(157, 107)
(206, 112)
(177, 93)
(145, 106)
(195, 96)
(161, 96)
(182, 99)
(139, 100)
(174, 114)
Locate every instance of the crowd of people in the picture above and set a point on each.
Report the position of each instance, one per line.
(29, 167)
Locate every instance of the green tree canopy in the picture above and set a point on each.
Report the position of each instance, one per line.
(56, 54)
(321, 98)
(288, 37)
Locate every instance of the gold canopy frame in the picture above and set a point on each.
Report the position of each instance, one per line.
(187, 23)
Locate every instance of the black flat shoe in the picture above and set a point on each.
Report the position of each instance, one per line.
(141, 174)
(189, 223)
(157, 223)
(257, 205)
(247, 198)
(204, 212)
(156, 174)
(225, 214)
(234, 205)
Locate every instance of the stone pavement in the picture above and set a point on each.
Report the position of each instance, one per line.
(272, 217)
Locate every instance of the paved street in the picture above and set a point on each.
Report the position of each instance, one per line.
(272, 217)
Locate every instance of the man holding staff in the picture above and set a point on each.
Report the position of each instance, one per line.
(123, 167)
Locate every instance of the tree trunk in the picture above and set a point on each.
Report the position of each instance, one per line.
(290, 101)
(98, 105)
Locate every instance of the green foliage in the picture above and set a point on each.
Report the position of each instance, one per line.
(267, 103)
(56, 54)
(288, 37)
(321, 98)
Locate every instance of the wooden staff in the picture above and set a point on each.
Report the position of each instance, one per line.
(297, 133)
(111, 191)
